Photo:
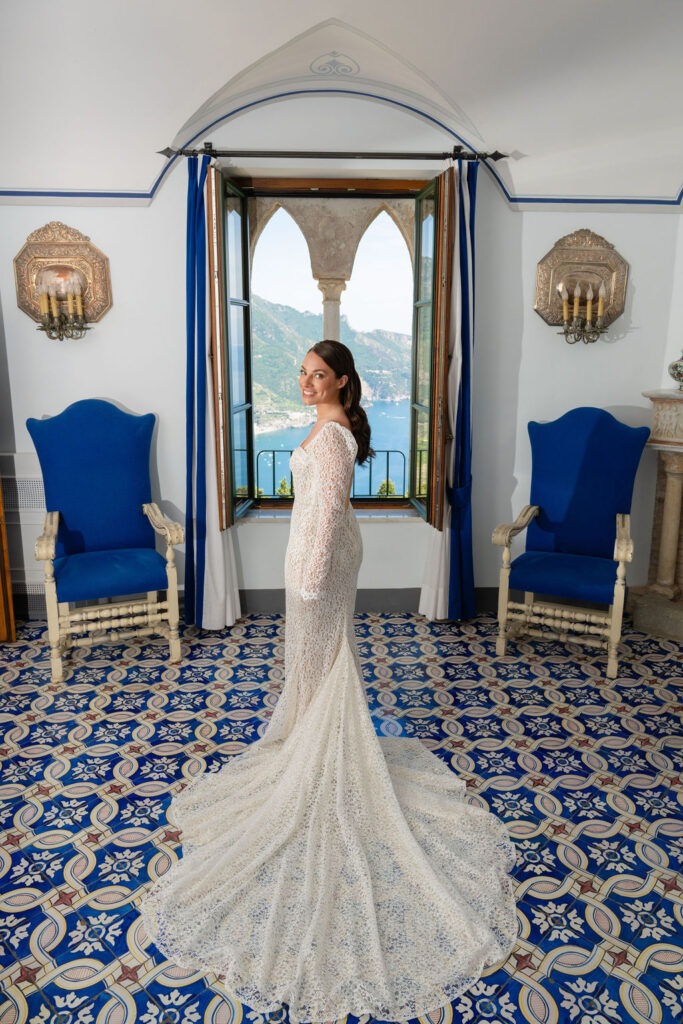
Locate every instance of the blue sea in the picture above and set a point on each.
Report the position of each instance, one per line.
(390, 425)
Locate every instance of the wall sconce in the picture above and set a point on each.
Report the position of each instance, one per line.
(581, 286)
(62, 281)
(55, 286)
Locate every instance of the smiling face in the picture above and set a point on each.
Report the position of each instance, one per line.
(319, 386)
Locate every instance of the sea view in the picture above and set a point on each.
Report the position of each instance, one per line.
(390, 425)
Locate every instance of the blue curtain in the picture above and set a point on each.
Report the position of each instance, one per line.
(461, 597)
(195, 395)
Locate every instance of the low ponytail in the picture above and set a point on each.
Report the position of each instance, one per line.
(338, 357)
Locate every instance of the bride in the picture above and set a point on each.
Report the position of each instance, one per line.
(324, 868)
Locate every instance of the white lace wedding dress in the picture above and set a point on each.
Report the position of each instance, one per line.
(323, 867)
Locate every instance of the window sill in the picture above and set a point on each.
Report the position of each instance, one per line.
(388, 513)
(363, 514)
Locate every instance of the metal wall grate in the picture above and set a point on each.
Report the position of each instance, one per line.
(29, 601)
(23, 494)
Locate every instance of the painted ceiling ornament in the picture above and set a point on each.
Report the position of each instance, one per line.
(335, 63)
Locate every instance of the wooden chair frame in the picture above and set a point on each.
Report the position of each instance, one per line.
(563, 621)
(112, 620)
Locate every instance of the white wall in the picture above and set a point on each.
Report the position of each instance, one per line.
(674, 345)
(136, 354)
(133, 356)
(523, 369)
(394, 552)
(136, 357)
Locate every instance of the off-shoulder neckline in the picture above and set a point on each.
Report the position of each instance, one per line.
(330, 423)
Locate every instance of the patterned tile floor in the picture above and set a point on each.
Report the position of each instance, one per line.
(587, 773)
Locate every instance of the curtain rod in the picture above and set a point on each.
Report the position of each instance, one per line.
(457, 153)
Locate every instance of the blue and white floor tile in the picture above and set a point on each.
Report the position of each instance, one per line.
(586, 772)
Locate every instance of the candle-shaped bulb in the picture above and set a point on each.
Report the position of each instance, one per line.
(602, 292)
(42, 299)
(589, 304)
(577, 298)
(562, 289)
(53, 301)
(79, 300)
(70, 300)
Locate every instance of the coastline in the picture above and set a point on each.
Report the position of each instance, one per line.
(284, 421)
(288, 419)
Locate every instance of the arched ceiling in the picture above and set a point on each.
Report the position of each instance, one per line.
(584, 98)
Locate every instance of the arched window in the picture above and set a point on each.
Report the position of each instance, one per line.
(259, 336)
(378, 304)
(285, 322)
(380, 292)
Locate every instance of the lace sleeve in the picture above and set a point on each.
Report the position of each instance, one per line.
(334, 455)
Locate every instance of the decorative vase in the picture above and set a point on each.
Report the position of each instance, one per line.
(676, 371)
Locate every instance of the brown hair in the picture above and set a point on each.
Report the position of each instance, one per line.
(340, 360)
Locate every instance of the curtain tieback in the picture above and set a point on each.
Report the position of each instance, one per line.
(459, 497)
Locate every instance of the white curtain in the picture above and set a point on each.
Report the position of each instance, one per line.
(435, 585)
(221, 605)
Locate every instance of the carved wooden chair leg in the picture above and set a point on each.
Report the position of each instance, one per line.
(174, 643)
(616, 614)
(173, 609)
(56, 646)
(613, 640)
(503, 591)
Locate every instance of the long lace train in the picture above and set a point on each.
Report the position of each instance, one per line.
(325, 868)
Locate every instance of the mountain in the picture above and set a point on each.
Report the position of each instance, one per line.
(280, 338)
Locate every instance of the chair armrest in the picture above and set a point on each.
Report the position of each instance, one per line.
(47, 542)
(504, 533)
(623, 545)
(173, 532)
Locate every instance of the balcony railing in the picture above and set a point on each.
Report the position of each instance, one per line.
(382, 477)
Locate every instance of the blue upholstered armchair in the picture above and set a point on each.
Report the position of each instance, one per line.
(99, 536)
(578, 533)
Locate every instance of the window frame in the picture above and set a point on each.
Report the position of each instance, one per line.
(241, 505)
(231, 506)
(422, 302)
(220, 189)
(444, 240)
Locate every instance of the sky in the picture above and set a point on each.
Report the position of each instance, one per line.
(379, 294)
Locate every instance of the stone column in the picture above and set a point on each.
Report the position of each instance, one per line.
(667, 559)
(331, 287)
(333, 229)
(658, 608)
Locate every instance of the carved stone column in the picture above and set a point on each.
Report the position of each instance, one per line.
(333, 229)
(667, 559)
(331, 287)
(657, 609)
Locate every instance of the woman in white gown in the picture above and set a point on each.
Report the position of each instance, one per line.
(324, 868)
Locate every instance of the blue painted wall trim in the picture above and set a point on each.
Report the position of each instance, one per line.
(641, 201)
